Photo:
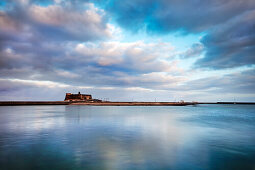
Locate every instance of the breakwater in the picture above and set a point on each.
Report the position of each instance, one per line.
(135, 103)
(27, 103)
(20, 103)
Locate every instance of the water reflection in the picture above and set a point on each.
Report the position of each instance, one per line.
(79, 137)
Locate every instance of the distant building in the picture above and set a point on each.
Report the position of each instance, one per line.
(78, 97)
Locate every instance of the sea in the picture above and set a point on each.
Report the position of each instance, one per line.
(202, 137)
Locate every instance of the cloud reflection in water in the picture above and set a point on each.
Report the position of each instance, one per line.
(81, 137)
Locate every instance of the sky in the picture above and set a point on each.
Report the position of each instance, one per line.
(134, 50)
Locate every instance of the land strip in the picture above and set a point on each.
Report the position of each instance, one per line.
(27, 103)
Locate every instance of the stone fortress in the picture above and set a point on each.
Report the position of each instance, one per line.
(80, 97)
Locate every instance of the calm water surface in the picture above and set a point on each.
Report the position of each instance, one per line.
(116, 137)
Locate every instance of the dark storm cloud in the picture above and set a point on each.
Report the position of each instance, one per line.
(228, 24)
(231, 44)
(165, 16)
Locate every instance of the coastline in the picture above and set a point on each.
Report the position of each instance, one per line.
(28, 103)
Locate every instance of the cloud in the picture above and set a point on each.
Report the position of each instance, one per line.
(114, 64)
(234, 84)
(194, 51)
(31, 21)
(18, 89)
(129, 57)
(63, 46)
(185, 15)
(230, 45)
(228, 26)
(118, 64)
(60, 22)
(35, 39)
(239, 86)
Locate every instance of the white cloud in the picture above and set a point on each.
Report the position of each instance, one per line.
(85, 23)
(136, 56)
(38, 83)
